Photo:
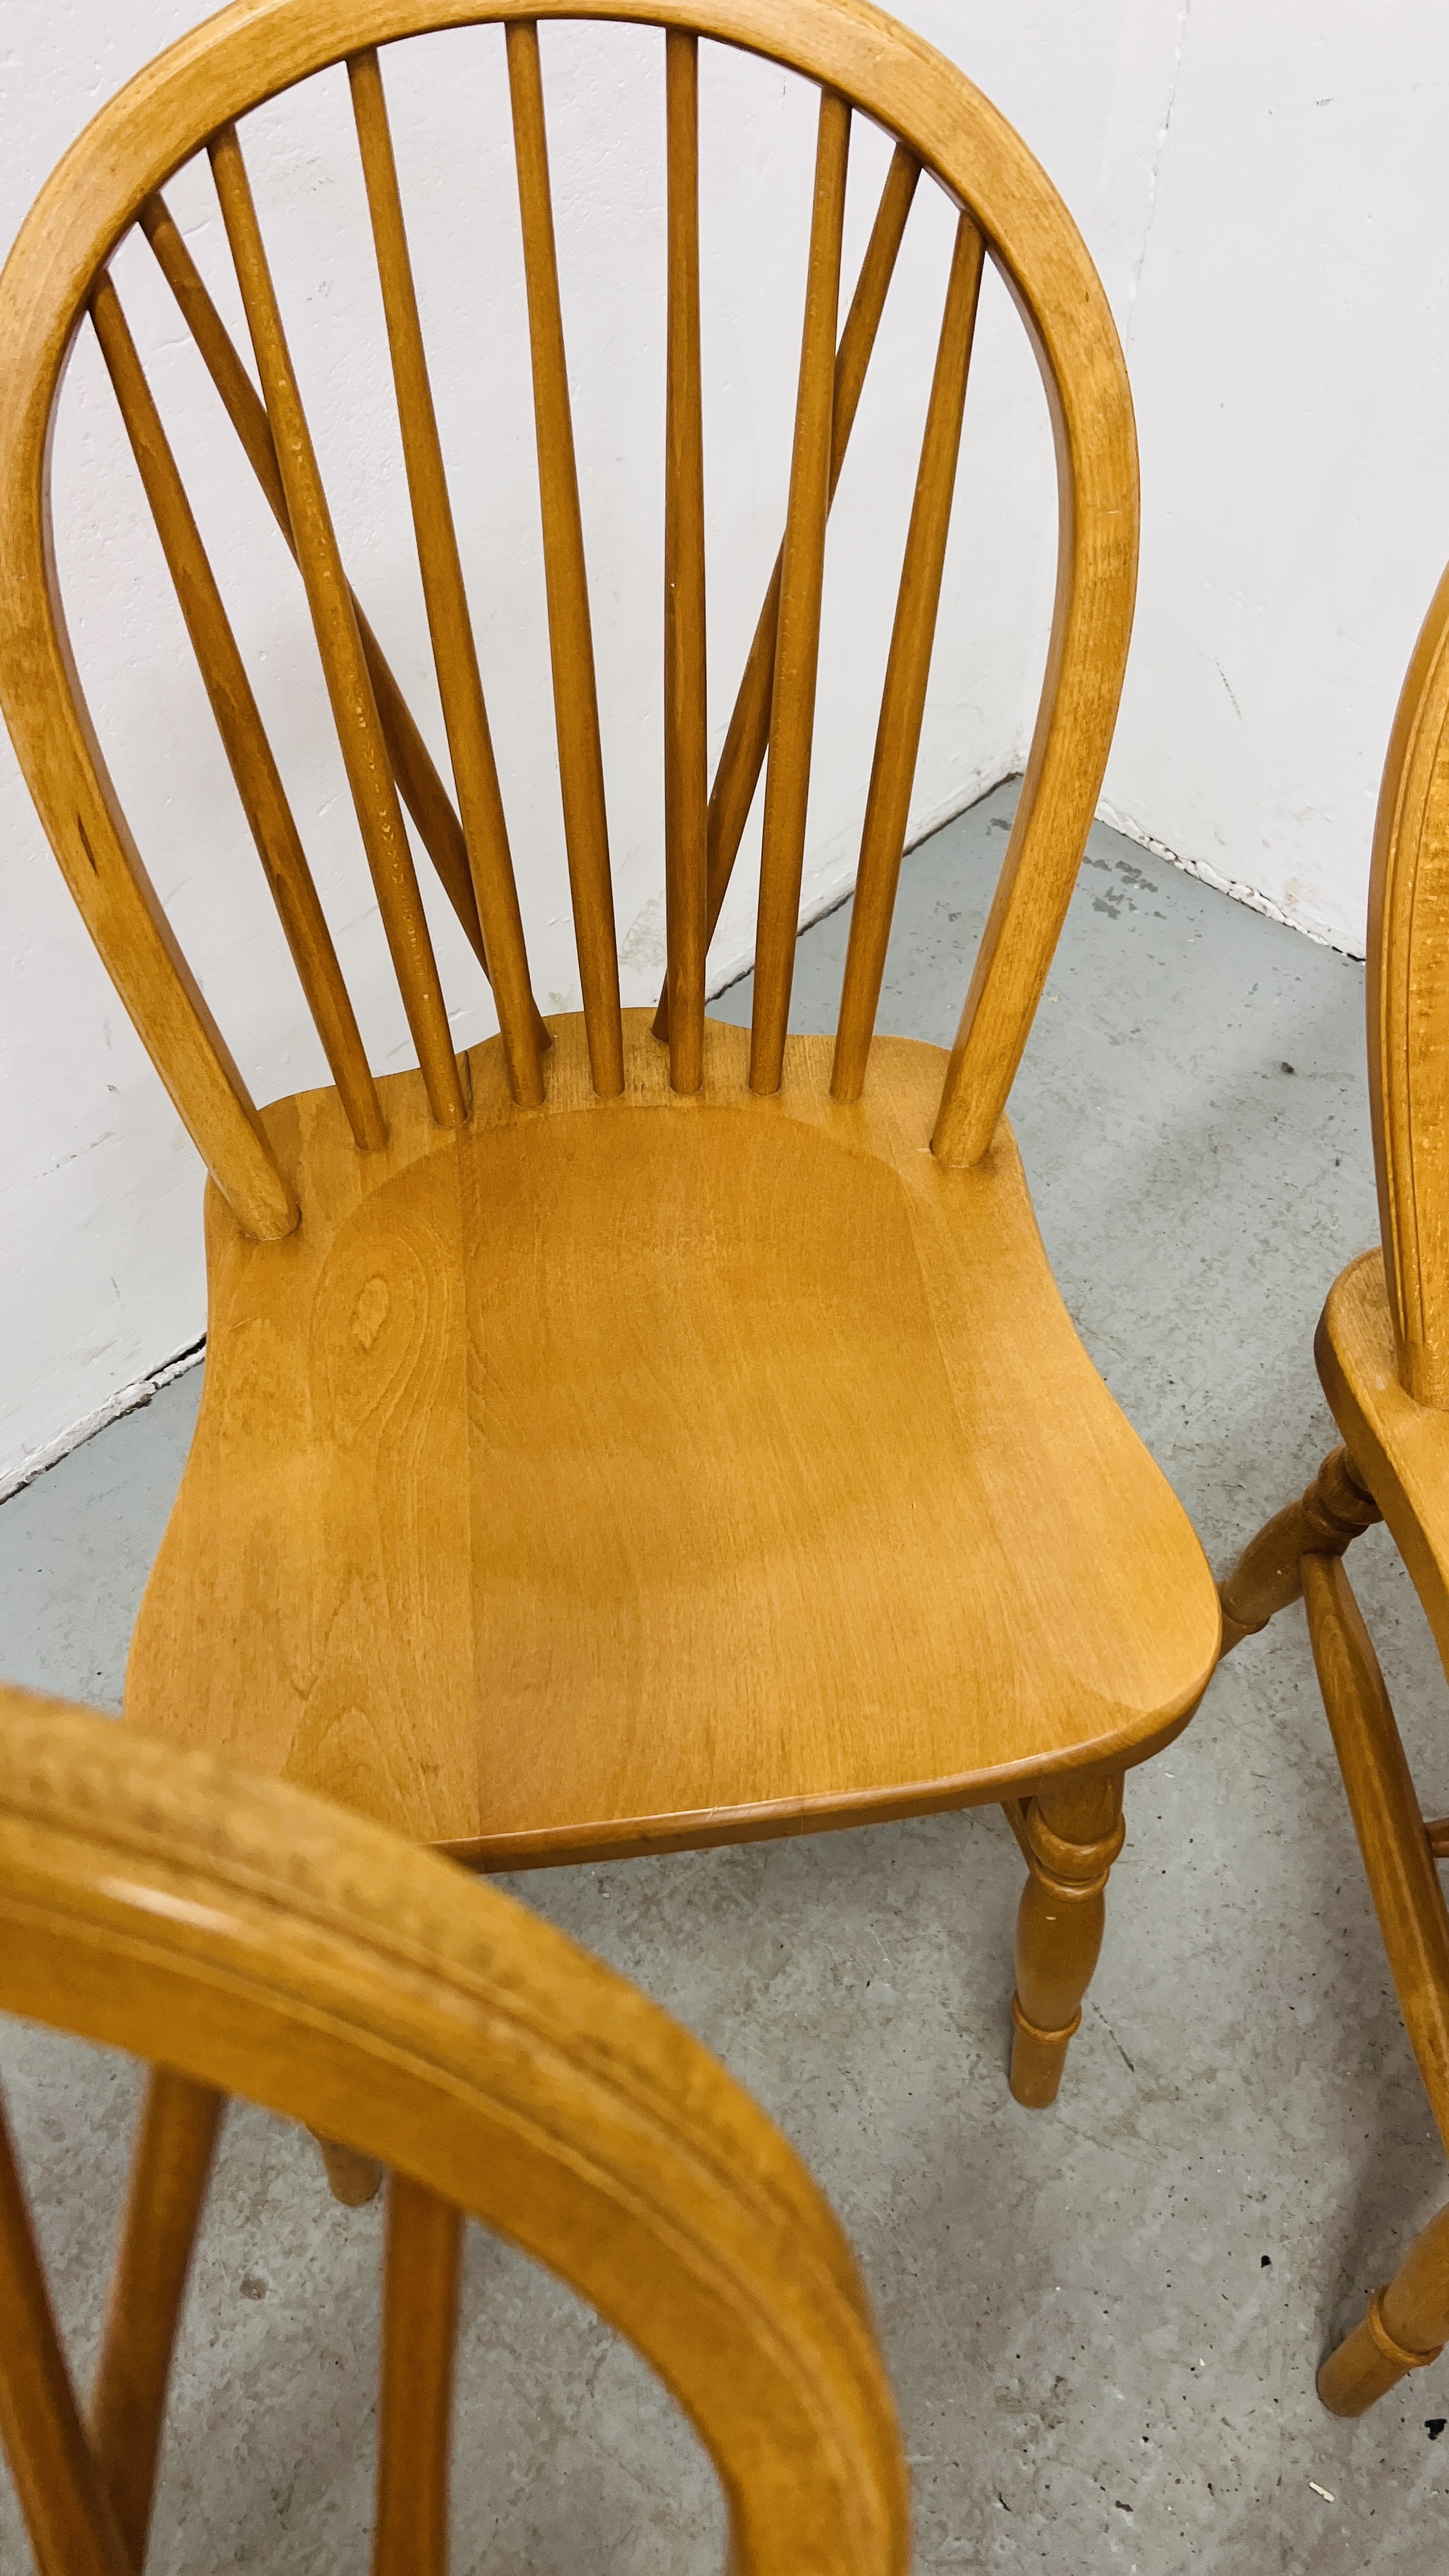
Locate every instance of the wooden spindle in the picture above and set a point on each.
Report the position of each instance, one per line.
(903, 699)
(170, 2170)
(748, 733)
(423, 792)
(352, 2179)
(419, 2338)
(1398, 1864)
(575, 694)
(792, 705)
(1336, 1509)
(72, 2528)
(354, 708)
(686, 747)
(259, 784)
(455, 652)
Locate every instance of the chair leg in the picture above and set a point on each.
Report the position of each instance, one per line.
(351, 2178)
(1331, 1515)
(1408, 2323)
(1073, 1833)
(1406, 2328)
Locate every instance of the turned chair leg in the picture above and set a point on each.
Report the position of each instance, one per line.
(1336, 1509)
(351, 2178)
(1406, 2328)
(1071, 1834)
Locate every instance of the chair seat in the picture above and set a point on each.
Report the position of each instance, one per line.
(1400, 1447)
(626, 1475)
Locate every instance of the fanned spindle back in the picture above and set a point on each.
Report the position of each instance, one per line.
(194, 102)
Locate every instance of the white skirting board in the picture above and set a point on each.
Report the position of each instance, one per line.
(125, 1400)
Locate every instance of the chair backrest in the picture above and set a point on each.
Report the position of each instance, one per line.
(1408, 1012)
(260, 1943)
(188, 102)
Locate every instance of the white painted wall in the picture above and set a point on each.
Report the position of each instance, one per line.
(1287, 331)
(1259, 185)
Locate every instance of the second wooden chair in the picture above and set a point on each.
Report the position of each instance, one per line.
(1383, 1357)
(250, 1940)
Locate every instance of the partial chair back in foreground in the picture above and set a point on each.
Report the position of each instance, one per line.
(1383, 1356)
(249, 1940)
(636, 1433)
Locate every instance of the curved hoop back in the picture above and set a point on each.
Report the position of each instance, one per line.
(1408, 1012)
(191, 99)
(263, 1944)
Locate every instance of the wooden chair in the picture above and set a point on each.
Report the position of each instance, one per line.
(627, 1438)
(1382, 1349)
(254, 1941)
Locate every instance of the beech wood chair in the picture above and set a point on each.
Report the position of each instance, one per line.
(627, 1437)
(1382, 1349)
(254, 1941)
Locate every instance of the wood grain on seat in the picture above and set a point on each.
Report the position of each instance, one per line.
(708, 1466)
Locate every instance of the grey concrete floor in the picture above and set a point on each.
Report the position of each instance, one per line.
(1102, 2320)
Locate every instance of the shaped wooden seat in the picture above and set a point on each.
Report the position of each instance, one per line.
(575, 1483)
(1382, 1349)
(629, 1434)
(259, 1943)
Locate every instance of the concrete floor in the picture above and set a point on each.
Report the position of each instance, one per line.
(1102, 2320)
